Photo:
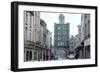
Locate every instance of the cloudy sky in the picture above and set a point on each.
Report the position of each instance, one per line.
(50, 18)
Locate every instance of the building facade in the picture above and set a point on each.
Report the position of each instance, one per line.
(61, 38)
(85, 22)
(35, 45)
(83, 49)
(31, 29)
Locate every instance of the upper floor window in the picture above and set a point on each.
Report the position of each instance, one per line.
(88, 21)
(26, 18)
(60, 43)
(58, 33)
(30, 19)
(58, 28)
(58, 38)
(64, 33)
(30, 36)
(25, 32)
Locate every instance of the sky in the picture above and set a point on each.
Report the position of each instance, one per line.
(50, 18)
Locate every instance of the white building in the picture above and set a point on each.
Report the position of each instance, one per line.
(31, 25)
(37, 39)
(31, 34)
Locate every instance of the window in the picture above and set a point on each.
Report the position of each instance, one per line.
(30, 55)
(30, 36)
(27, 56)
(35, 55)
(26, 18)
(35, 13)
(88, 21)
(30, 30)
(86, 31)
(58, 33)
(35, 30)
(82, 18)
(41, 55)
(85, 27)
(64, 38)
(30, 26)
(60, 43)
(63, 27)
(35, 24)
(58, 28)
(58, 38)
(64, 33)
(30, 21)
(88, 28)
(26, 30)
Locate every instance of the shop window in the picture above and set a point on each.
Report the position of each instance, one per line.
(27, 56)
(30, 55)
